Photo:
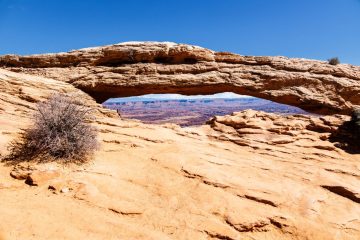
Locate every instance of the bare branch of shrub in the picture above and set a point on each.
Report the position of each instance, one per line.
(61, 131)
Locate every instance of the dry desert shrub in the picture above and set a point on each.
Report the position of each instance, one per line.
(334, 61)
(61, 130)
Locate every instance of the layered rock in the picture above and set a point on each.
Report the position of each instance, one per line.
(252, 175)
(279, 135)
(20, 92)
(137, 68)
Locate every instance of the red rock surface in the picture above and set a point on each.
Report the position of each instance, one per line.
(251, 175)
(138, 68)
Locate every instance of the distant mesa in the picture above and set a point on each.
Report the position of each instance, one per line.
(192, 112)
(137, 68)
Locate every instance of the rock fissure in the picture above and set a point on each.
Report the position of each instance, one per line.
(218, 236)
(203, 179)
(260, 200)
(343, 192)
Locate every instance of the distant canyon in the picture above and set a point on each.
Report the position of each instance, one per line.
(192, 111)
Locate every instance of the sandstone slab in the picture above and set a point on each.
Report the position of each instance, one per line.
(250, 175)
(136, 68)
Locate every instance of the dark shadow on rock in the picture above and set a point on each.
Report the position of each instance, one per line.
(21, 150)
(347, 136)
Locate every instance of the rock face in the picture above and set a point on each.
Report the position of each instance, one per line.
(249, 175)
(252, 175)
(292, 134)
(137, 68)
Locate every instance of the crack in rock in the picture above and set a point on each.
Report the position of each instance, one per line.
(201, 178)
(343, 192)
(260, 200)
(218, 236)
(124, 213)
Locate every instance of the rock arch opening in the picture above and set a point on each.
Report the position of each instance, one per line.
(137, 68)
(191, 110)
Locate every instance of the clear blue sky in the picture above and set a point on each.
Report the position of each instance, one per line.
(317, 29)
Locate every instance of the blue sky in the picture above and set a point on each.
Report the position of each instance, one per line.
(317, 29)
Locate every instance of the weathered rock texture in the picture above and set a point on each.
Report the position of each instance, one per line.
(248, 176)
(137, 68)
(284, 136)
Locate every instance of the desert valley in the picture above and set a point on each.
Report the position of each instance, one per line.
(256, 173)
(192, 112)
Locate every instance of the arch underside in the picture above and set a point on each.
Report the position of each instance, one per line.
(132, 69)
(104, 92)
(323, 94)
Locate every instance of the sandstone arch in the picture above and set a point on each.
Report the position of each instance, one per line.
(137, 68)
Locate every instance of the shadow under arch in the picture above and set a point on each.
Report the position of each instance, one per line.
(347, 136)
